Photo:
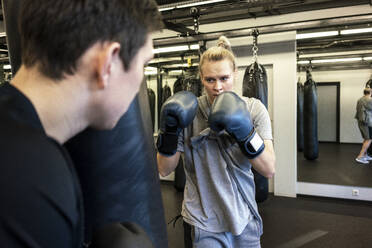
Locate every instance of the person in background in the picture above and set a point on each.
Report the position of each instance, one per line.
(221, 136)
(82, 65)
(364, 119)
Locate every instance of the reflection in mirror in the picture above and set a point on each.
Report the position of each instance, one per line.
(341, 67)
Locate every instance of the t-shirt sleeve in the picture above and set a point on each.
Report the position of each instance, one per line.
(261, 119)
(368, 104)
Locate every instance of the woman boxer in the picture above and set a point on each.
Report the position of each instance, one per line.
(221, 136)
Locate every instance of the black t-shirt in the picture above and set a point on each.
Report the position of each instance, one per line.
(40, 198)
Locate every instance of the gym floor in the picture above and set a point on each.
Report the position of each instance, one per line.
(335, 165)
(306, 222)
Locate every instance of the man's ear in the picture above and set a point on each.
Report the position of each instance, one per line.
(106, 58)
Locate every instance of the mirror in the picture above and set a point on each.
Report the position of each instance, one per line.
(341, 66)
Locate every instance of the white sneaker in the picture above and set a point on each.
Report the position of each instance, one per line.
(362, 160)
(368, 158)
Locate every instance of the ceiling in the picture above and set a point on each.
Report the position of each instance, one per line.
(180, 19)
(243, 9)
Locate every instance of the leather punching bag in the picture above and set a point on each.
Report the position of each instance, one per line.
(11, 9)
(300, 117)
(311, 150)
(166, 93)
(178, 85)
(118, 173)
(255, 85)
(369, 83)
(151, 95)
(255, 82)
(193, 85)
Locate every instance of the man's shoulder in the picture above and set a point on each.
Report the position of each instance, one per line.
(31, 162)
(29, 148)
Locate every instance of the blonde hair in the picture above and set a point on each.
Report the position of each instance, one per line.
(217, 53)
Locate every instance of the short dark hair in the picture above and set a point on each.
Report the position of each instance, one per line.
(367, 91)
(54, 34)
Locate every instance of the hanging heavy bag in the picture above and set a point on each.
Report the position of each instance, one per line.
(193, 85)
(311, 150)
(165, 93)
(11, 9)
(255, 82)
(369, 83)
(118, 173)
(178, 85)
(151, 95)
(300, 117)
(255, 85)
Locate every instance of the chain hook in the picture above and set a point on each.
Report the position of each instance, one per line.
(255, 34)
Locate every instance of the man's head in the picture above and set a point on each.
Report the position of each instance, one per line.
(101, 46)
(55, 34)
(367, 91)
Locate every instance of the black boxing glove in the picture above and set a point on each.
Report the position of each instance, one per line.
(229, 112)
(177, 112)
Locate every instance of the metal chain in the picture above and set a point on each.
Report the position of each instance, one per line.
(255, 47)
(255, 53)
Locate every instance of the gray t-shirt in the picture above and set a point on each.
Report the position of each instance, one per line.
(364, 110)
(212, 200)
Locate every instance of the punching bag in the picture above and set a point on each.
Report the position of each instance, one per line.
(300, 117)
(165, 94)
(11, 9)
(369, 83)
(151, 95)
(255, 85)
(255, 82)
(118, 173)
(311, 150)
(178, 85)
(193, 85)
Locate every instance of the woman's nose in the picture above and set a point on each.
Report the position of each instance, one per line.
(218, 85)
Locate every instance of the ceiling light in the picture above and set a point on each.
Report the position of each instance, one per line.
(176, 48)
(2, 34)
(367, 58)
(180, 65)
(150, 68)
(7, 67)
(161, 60)
(166, 8)
(315, 35)
(199, 3)
(356, 31)
(175, 71)
(343, 53)
(303, 62)
(148, 73)
(315, 61)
